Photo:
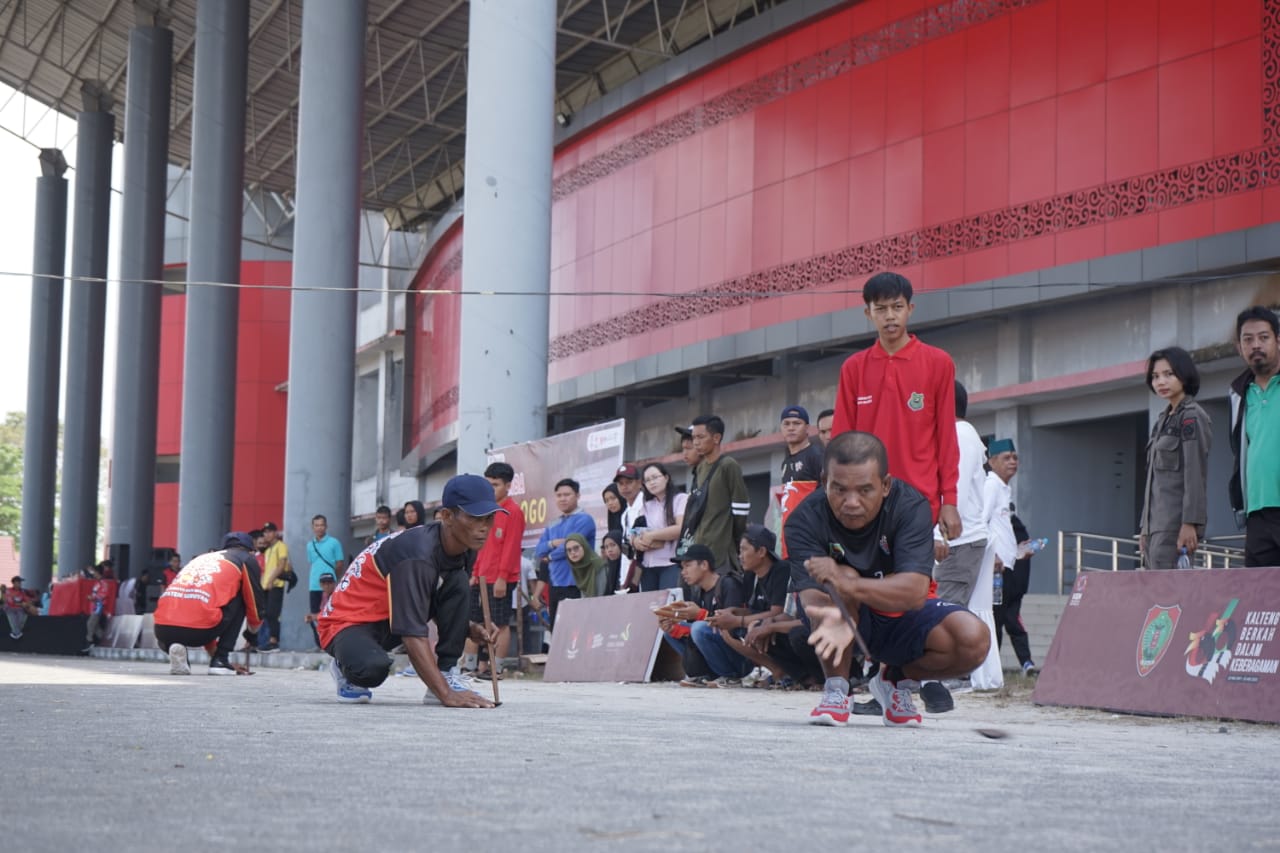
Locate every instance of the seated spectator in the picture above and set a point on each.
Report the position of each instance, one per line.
(19, 603)
(206, 603)
(171, 571)
(703, 653)
(611, 551)
(590, 570)
(99, 611)
(327, 583)
(767, 577)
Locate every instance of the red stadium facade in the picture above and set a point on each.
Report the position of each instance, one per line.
(1002, 154)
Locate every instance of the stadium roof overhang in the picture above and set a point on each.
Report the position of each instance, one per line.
(69, 53)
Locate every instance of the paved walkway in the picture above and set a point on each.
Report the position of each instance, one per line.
(118, 755)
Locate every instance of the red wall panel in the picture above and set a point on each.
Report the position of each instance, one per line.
(891, 134)
(262, 364)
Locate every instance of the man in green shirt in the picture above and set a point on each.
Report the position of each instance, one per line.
(716, 514)
(1255, 435)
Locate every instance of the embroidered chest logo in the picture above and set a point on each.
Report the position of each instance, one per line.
(498, 532)
(915, 402)
(884, 545)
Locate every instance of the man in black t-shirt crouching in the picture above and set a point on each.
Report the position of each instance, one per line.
(707, 661)
(870, 537)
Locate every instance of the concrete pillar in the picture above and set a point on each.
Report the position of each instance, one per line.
(44, 368)
(209, 360)
(86, 328)
(146, 157)
(502, 394)
(322, 332)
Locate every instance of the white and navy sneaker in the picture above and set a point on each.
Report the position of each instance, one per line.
(219, 665)
(348, 692)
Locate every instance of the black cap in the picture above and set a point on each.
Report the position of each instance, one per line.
(327, 576)
(761, 537)
(685, 432)
(697, 552)
(270, 525)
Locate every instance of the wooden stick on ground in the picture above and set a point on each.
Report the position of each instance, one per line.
(493, 649)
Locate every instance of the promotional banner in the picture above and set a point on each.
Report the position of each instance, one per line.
(590, 455)
(611, 638)
(1194, 643)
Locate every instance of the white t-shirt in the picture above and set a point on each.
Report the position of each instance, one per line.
(969, 486)
(655, 518)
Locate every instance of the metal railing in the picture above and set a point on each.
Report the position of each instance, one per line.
(1093, 552)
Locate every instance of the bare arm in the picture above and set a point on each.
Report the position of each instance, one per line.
(424, 663)
(897, 592)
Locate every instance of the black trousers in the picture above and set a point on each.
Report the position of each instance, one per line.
(797, 658)
(225, 632)
(1262, 538)
(559, 594)
(362, 650)
(1008, 617)
(275, 606)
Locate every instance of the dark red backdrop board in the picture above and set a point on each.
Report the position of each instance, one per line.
(1190, 643)
(611, 638)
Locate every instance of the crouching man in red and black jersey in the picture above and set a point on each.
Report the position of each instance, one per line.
(870, 536)
(206, 603)
(399, 584)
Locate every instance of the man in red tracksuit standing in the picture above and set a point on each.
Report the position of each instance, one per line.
(902, 391)
(497, 570)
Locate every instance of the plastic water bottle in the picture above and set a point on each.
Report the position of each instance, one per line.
(1032, 547)
(1184, 559)
(997, 587)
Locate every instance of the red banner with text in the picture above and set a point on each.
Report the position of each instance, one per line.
(1194, 643)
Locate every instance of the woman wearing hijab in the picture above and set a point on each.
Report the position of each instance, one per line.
(611, 551)
(590, 570)
(411, 515)
(614, 505)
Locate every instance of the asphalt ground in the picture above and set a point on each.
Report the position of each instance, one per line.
(119, 755)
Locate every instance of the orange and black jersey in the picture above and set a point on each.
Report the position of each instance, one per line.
(394, 580)
(198, 593)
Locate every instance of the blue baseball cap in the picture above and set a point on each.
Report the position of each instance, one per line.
(237, 540)
(795, 412)
(472, 494)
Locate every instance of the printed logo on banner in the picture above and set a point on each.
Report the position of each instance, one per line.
(603, 439)
(1210, 648)
(1077, 591)
(572, 651)
(1157, 633)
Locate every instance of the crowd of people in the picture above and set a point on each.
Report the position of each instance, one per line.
(897, 560)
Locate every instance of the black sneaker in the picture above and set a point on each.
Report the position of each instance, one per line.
(937, 699)
(870, 708)
(219, 665)
(271, 646)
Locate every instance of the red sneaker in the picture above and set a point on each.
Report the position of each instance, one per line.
(899, 710)
(833, 710)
